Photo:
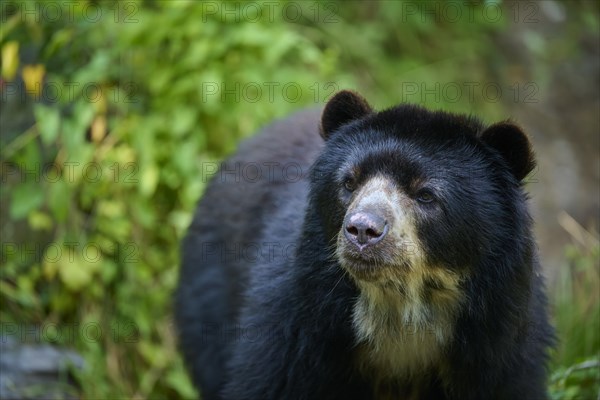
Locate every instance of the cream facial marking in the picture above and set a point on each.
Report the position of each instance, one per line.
(380, 196)
(404, 314)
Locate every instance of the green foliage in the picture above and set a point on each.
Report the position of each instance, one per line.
(121, 108)
(109, 173)
(579, 381)
(579, 283)
(577, 319)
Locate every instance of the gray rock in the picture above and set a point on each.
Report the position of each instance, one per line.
(37, 371)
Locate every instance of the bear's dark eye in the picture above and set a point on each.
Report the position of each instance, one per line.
(425, 196)
(349, 184)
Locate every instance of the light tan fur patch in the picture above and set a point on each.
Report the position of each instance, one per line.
(402, 332)
(404, 317)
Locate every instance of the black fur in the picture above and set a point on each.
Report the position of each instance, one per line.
(276, 323)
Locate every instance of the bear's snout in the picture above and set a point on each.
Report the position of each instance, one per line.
(365, 228)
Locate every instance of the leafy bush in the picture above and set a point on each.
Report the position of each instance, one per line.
(127, 142)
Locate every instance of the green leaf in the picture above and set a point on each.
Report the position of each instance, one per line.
(180, 382)
(108, 271)
(155, 355)
(183, 120)
(40, 221)
(149, 180)
(25, 198)
(59, 194)
(77, 265)
(48, 122)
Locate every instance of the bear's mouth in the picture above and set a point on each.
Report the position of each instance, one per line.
(371, 267)
(364, 272)
(380, 262)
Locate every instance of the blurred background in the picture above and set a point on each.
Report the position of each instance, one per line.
(112, 111)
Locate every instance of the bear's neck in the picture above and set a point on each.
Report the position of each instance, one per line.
(399, 336)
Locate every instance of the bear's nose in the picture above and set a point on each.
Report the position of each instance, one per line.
(364, 228)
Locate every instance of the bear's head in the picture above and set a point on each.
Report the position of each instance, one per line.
(408, 193)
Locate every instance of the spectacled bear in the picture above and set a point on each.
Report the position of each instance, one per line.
(373, 255)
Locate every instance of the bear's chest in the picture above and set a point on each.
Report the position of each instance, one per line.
(399, 339)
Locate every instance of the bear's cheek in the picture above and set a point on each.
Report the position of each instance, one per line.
(448, 243)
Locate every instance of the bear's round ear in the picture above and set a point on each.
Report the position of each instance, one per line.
(344, 107)
(514, 146)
